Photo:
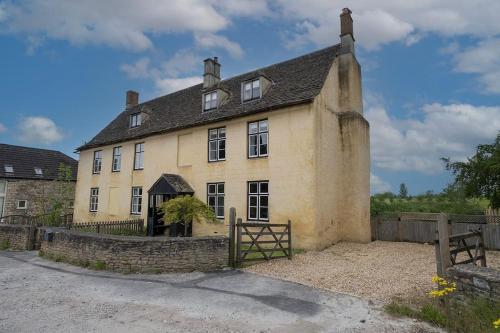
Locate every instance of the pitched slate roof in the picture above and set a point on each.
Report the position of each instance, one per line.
(295, 81)
(171, 184)
(24, 160)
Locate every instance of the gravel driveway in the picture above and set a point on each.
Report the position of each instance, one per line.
(41, 296)
(377, 271)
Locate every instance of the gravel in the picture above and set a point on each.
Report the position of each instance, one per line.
(378, 271)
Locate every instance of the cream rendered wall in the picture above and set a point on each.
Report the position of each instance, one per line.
(290, 169)
(342, 157)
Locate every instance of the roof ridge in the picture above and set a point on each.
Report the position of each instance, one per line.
(33, 148)
(243, 74)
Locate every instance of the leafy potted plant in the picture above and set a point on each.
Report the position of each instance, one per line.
(184, 209)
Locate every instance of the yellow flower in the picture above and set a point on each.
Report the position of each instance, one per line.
(444, 287)
(496, 323)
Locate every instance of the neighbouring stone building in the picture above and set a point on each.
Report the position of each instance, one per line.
(27, 178)
(283, 142)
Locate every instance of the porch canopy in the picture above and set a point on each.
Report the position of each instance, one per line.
(169, 184)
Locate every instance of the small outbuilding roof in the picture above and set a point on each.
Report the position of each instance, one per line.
(171, 184)
(17, 162)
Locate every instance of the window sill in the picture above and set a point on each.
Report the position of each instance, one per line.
(257, 157)
(138, 169)
(217, 161)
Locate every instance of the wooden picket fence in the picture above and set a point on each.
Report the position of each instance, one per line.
(125, 227)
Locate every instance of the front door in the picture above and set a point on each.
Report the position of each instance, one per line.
(156, 222)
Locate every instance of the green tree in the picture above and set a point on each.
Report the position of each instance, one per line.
(186, 209)
(480, 174)
(403, 191)
(56, 198)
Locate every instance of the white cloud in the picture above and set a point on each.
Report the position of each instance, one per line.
(443, 131)
(2, 128)
(482, 59)
(170, 75)
(3, 14)
(243, 7)
(378, 185)
(210, 41)
(39, 130)
(118, 23)
(138, 70)
(384, 21)
(182, 62)
(168, 85)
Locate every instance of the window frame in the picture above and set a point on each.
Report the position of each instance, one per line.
(96, 197)
(252, 97)
(3, 194)
(204, 101)
(217, 195)
(137, 197)
(99, 163)
(113, 169)
(141, 144)
(257, 134)
(36, 169)
(217, 141)
(259, 195)
(8, 168)
(25, 204)
(138, 120)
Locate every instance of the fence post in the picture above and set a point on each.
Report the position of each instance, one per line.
(238, 242)
(290, 249)
(482, 247)
(232, 221)
(443, 246)
(98, 227)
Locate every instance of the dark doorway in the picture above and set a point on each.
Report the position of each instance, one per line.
(167, 187)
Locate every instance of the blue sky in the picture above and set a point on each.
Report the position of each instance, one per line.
(431, 69)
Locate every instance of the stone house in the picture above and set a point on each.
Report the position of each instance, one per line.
(283, 142)
(27, 176)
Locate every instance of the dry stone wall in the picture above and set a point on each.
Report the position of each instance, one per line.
(17, 237)
(128, 254)
(474, 281)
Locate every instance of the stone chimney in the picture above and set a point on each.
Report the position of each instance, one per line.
(211, 75)
(132, 99)
(346, 30)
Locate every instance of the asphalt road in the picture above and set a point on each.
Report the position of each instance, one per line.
(37, 295)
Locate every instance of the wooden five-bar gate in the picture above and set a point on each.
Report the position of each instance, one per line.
(450, 247)
(257, 241)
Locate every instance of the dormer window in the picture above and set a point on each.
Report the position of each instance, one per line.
(8, 168)
(38, 171)
(210, 101)
(135, 120)
(251, 90)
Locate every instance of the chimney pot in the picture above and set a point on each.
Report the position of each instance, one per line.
(346, 23)
(132, 99)
(211, 75)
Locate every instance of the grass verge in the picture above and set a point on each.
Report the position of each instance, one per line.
(4, 245)
(95, 265)
(474, 315)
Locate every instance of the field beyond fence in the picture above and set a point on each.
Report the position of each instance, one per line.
(422, 227)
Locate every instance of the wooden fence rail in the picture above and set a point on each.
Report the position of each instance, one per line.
(111, 227)
(422, 227)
